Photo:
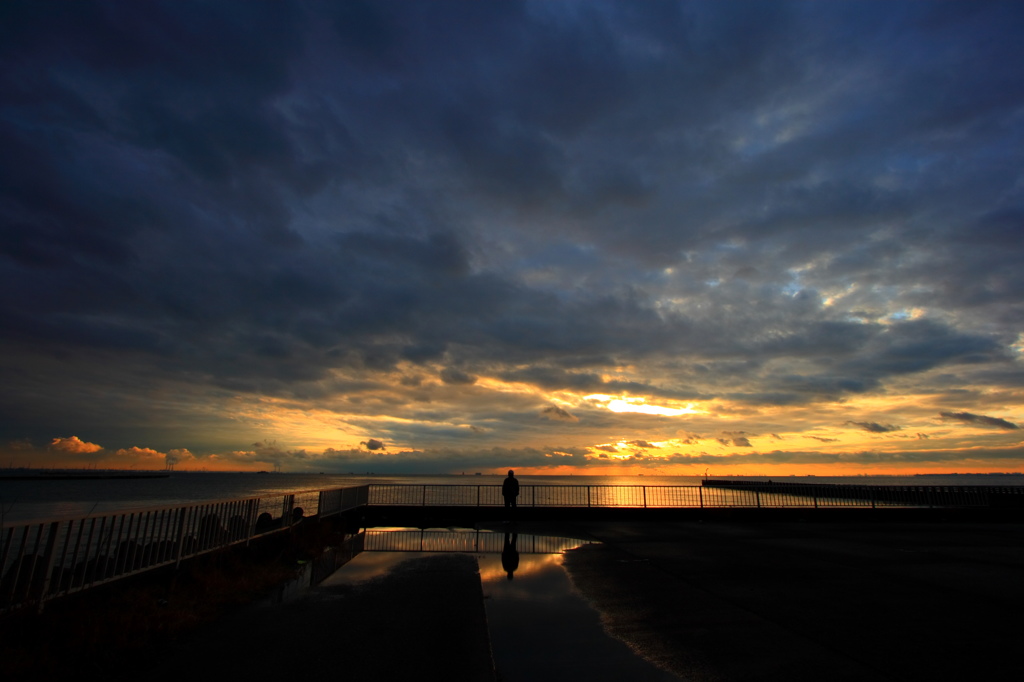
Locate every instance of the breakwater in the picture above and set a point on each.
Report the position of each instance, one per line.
(767, 493)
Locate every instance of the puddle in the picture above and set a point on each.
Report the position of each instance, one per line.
(540, 627)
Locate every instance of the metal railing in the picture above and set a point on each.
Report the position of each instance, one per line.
(729, 494)
(798, 494)
(47, 559)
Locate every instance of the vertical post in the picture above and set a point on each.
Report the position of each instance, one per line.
(588, 496)
(47, 564)
(478, 497)
(424, 502)
(182, 514)
(124, 547)
(89, 552)
(19, 563)
(146, 549)
(64, 554)
(757, 493)
(700, 491)
(250, 520)
(286, 510)
(644, 488)
(74, 555)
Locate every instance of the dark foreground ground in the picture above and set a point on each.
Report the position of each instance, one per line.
(424, 621)
(729, 600)
(812, 601)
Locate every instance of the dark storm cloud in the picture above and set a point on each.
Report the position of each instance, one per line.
(969, 418)
(745, 202)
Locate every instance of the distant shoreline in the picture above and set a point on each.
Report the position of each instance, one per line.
(82, 475)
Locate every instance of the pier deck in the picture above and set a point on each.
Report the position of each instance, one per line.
(812, 601)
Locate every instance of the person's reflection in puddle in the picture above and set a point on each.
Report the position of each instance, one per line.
(509, 554)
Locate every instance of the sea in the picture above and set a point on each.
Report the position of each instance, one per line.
(25, 499)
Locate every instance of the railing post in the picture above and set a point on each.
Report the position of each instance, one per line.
(757, 493)
(423, 503)
(182, 514)
(644, 488)
(287, 505)
(47, 564)
(250, 519)
(588, 496)
(478, 497)
(700, 492)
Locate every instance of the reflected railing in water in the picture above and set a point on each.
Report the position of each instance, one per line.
(375, 551)
(474, 541)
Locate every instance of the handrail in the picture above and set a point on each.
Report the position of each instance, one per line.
(41, 560)
(719, 494)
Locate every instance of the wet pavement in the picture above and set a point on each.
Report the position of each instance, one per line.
(811, 601)
(709, 601)
(541, 629)
(421, 620)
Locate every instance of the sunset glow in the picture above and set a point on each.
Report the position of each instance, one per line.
(576, 237)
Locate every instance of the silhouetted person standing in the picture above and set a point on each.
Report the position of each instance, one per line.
(510, 491)
(510, 555)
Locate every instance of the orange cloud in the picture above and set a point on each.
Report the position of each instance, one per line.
(139, 453)
(74, 445)
(179, 455)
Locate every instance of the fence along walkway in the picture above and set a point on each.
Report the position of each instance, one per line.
(47, 559)
(715, 494)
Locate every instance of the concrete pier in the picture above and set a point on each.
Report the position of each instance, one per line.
(812, 601)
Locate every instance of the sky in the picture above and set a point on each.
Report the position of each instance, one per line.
(562, 237)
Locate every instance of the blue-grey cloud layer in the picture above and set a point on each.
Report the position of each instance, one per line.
(764, 202)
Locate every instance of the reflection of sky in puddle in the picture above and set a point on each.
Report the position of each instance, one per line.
(381, 549)
(541, 628)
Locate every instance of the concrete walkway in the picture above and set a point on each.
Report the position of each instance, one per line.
(812, 601)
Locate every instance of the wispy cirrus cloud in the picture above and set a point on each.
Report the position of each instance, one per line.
(981, 419)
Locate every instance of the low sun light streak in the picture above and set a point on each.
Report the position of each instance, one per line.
(640, 405)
